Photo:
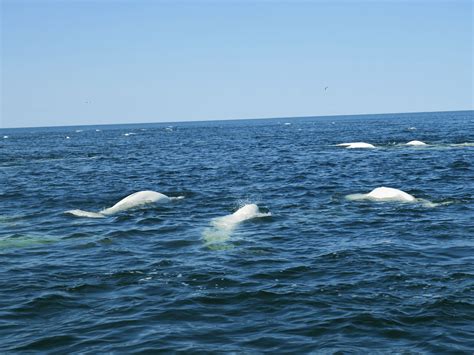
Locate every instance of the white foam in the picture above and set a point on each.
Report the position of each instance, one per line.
(134, 200)
(5, 137)
(356, 145)
(67, 137)
(223, 227)
(416, 143)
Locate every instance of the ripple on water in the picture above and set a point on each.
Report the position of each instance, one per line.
(322, 274)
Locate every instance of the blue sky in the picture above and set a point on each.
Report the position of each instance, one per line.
(95, 62)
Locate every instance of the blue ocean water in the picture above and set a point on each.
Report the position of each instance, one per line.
(320, 274)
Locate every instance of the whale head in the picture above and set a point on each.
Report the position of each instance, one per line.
(246, 212)
(223, 227)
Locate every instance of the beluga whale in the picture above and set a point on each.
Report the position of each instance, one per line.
(390, 194)
(384, 194)
(136, 199)
(416, 143)
(222, 227)
(356, 145)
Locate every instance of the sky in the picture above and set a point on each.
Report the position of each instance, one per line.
(104, 61)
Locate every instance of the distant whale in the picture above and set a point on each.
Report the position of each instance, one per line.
(134, 200)
(222, 227)
(356, 145)
(390, 194)
(416, 143)
(384, 194)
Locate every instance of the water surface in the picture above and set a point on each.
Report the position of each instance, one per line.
(322, 273)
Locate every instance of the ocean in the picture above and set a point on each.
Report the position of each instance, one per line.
(308, 270)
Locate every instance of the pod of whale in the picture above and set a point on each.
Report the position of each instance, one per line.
(356, 145)
(384, 194)
(134, 200)
(222, 227)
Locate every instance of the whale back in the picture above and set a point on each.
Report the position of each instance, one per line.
(416, 143)
(355, 145)
(136, 199)
(388, 193)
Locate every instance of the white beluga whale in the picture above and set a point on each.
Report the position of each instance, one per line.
(389, 194)
(356, 145)
(222, 227)
(134, 200)
(384, 194)
(416, 143)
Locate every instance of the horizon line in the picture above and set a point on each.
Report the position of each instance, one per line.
(238, 119)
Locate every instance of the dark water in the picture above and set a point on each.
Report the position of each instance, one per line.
(321, 274)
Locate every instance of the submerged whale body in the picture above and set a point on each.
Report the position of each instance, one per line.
(416, 143)
(134, 200)
(222, 227)
(384, 194)
(356, 145)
